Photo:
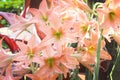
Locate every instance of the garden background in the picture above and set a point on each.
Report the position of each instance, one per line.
(107, 69)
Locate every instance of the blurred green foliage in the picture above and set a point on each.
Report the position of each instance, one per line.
(14, 6)
(4, 22)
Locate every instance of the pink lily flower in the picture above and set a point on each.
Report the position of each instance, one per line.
(88, 52)
(109, 16)
(9, 75)
(28, 52)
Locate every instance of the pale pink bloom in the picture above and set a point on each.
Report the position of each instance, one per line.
(51, 65)
(28, 52)
(5, 58)
(69, 10)
(72, 14)
(5, 64)
(42, 15)
(77, 3)
(109, 16)
(20, 69)
(17, 22)
(113, 3)
(55, 63)
(57, 33)
(21, 24)
(88, 52)
(67, 61)
(83, 29)
(8, 74)
(35, 77)
(92, 47)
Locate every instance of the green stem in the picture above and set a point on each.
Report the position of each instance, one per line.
(97, 59)
(60, 77)
(32, 67)
(116, 61)
(88, 75)
(96, 5)
(86, 1)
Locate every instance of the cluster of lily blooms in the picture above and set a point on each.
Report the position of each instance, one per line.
(40, 43)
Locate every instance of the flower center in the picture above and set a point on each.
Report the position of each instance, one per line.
(84, 28)
(107, 2)
(111, 15)
(50, 62)
(45, 18)
(57, 34)
(91, 49)
(30, 54)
